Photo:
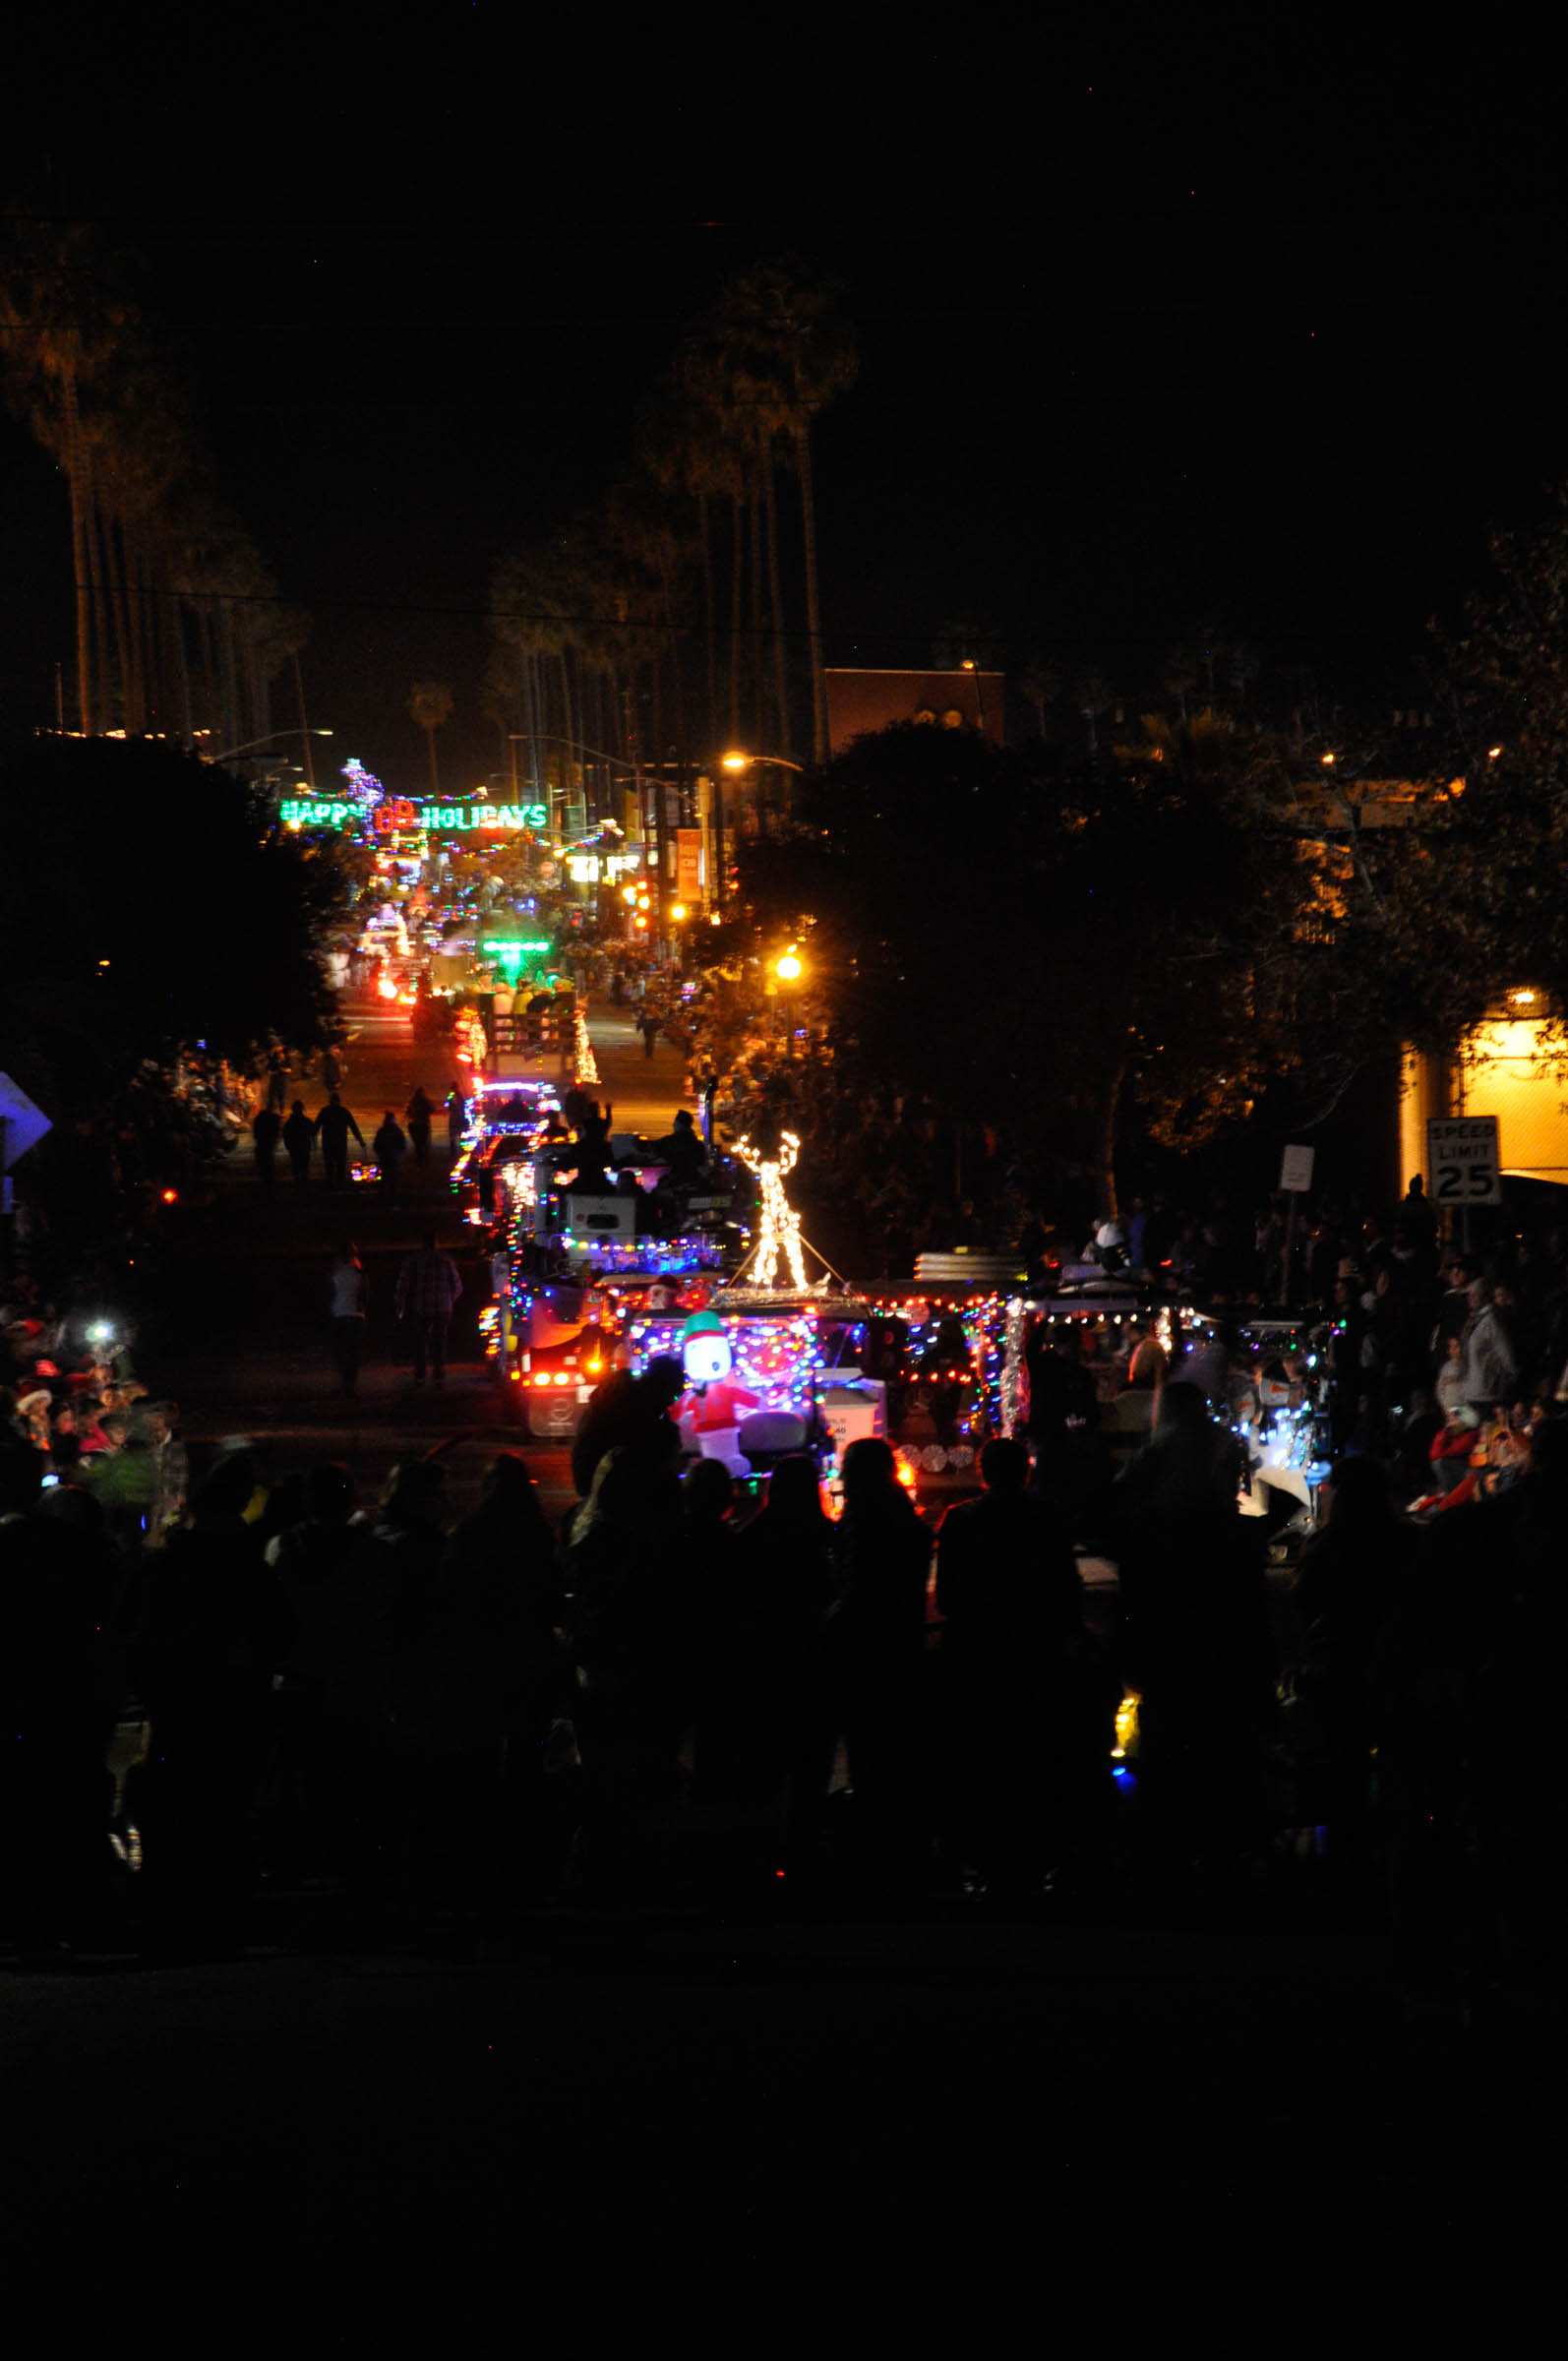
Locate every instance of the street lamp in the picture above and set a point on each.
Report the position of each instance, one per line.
(230, 750)
(734, 763)
(787, 966)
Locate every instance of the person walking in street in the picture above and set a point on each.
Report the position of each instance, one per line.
(299, 1137)
(334, 1124)
(457, 1120)
(267, 1129)
(648, 1027)
(420, 1111)
(276, 1081)
(388, 1147)
(332, 1067)
(428, 1287)
(347, 1314)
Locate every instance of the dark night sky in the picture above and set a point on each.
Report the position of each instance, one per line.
(1262, 324)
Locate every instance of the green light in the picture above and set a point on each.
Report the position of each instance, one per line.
(319, 811)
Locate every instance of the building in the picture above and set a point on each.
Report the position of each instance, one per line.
(860, 701)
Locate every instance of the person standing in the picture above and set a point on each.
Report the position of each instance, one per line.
(428, 1287)
(299, 1138)
(388, 1147)
(420, 1111)
(648, 1027)
(347, 1314)
(334, 1124)
(457, 1120)
(267, 1129)
(276, 1081)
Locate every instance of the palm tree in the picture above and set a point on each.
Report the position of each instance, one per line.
(1094, 699)
(775, 350)
(1041, 683)
(62, 314)
(429, 706)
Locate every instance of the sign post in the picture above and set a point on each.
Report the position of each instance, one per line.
(1463, 1164)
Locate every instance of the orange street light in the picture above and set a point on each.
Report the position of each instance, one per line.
(735, 761)
(787, 967)
(677, 912)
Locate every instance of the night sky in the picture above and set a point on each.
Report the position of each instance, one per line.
(1249, 328)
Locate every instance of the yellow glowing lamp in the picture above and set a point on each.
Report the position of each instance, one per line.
(735, 761)
(642, 925)
(678, 911)
(788, 967)
(1328, 762)
(629, 893)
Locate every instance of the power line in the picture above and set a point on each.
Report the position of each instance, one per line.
(681, 628)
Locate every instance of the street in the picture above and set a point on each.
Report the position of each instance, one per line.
(268, 1373)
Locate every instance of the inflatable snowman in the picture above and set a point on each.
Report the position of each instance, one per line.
(711, 1409)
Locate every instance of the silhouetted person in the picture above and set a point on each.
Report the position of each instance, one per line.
(420, 1112)
(335, 1126)
(348, 1310)
(457, 1120)
(876, 1639)
(299, 1137)
(216, 1628)
(682, 1151)
(1029, 1711)
(429, 1286)
(776, 1715)
(1349, 1592)
(267, 1128)
(1196, 1636)
(388, 1147)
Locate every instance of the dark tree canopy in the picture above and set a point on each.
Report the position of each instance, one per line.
(146, 901)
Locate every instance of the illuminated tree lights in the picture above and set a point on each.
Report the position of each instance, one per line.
(587, 1066)
(778, 1223)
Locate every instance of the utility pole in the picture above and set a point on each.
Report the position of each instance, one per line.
(304, 725)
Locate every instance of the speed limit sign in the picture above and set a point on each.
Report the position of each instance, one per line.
(1462, 1160)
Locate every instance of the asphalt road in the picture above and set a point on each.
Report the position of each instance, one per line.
(252, 1275)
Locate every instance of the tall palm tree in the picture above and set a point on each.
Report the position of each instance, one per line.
(775, 347)
(429, 706)
(1093, 699)
(62, 314)
(1041, 683)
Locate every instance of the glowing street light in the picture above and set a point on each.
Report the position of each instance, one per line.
(788, 967)
(677, 912)
(735, 761)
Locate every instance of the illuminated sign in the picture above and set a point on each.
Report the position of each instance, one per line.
(399, 813)
(320, 812)
(587, 869)
(511, 954)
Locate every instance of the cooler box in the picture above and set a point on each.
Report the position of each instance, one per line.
(851, 1409)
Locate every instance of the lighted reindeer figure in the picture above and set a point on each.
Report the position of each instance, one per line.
(778, 1223)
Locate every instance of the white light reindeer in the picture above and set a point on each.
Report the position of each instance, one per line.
(778, 1223)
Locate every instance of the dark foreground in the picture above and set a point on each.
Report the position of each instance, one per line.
(609, 2115)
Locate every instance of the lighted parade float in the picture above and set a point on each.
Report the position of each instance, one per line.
(776, 1359)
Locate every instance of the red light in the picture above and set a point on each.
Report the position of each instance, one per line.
(171, 1196)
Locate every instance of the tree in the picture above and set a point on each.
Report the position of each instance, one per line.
(767, 359)
(107, 965)
(429, 706)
